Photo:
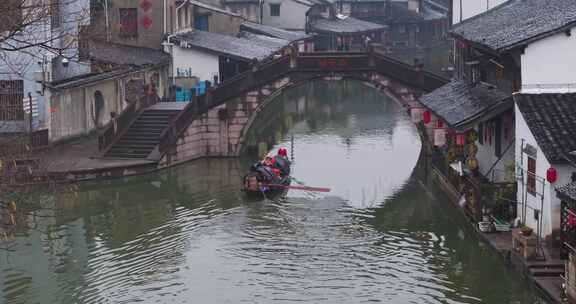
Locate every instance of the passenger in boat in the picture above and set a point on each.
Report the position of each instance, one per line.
(269, 161)
(281, 162)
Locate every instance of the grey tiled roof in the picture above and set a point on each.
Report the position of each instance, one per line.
(441, 7)
(273, 31)
(552, 120)
(239, 48)
(460, 104)
(430, 13)
(17, 126)
(126, 55)
(347, 25)
(517, 21)
(264, 40)
(567, 192)
(89, 78)
(240, 1)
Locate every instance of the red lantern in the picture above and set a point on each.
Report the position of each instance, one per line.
(426, 117)
(551, 175)
(460, 139)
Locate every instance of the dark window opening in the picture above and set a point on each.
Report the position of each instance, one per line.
(55, 19)
(201, 22)
(531, 178)
(483, 76)
(128, 22)
(481, 133)
(275, 10)
(11, 99)
(498, 137)
(98, 108)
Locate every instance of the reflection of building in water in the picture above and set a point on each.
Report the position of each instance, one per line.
(43, 247)
(105, 218)
(346, 108)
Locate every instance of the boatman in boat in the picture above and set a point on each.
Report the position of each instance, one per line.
(281, 162)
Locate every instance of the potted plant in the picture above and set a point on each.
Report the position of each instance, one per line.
(525, 230)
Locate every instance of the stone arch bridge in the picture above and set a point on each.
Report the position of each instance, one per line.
(216, 124)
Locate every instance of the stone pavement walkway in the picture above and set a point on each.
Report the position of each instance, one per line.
(79, 157)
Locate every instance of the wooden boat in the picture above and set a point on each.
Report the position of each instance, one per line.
(268, 179)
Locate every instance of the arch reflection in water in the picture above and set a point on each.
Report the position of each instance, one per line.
(346, 136)
(187, 234)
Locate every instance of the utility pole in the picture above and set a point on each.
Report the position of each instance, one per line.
(107, 21)
(30, 117)
(461, 10)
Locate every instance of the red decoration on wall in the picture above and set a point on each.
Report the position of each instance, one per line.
(146, 22)
(460, 139)
(551, 175)
(145, 5)
(332, 63)
(461, 44)
(426, 117)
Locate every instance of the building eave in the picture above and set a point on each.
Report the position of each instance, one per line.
(526, 42)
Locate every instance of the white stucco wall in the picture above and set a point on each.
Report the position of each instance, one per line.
(551, 204)
(202, 64)
(73, 109)
(471, 8)
(292, 14)
(550, 61)
(487, 159)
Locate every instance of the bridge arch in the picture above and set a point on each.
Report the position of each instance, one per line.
(364, 78)
(215, 124)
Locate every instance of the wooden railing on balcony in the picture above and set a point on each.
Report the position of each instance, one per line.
(305, 62)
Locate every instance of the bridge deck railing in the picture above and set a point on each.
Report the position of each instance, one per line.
(304, 62)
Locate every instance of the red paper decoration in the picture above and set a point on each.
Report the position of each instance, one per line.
(551, 175)
(426, 117)
(146, 22)
(460, 139)
(145, 5)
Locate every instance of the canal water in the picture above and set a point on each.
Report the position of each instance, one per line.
(188, 234)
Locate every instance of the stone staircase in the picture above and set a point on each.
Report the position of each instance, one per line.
(143, 134)
(547, 270)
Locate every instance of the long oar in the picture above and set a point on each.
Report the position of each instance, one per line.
(306, 188)
(297, 181)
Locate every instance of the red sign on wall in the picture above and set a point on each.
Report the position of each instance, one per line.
(146, 22)
(146, 6)
(333, 63)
